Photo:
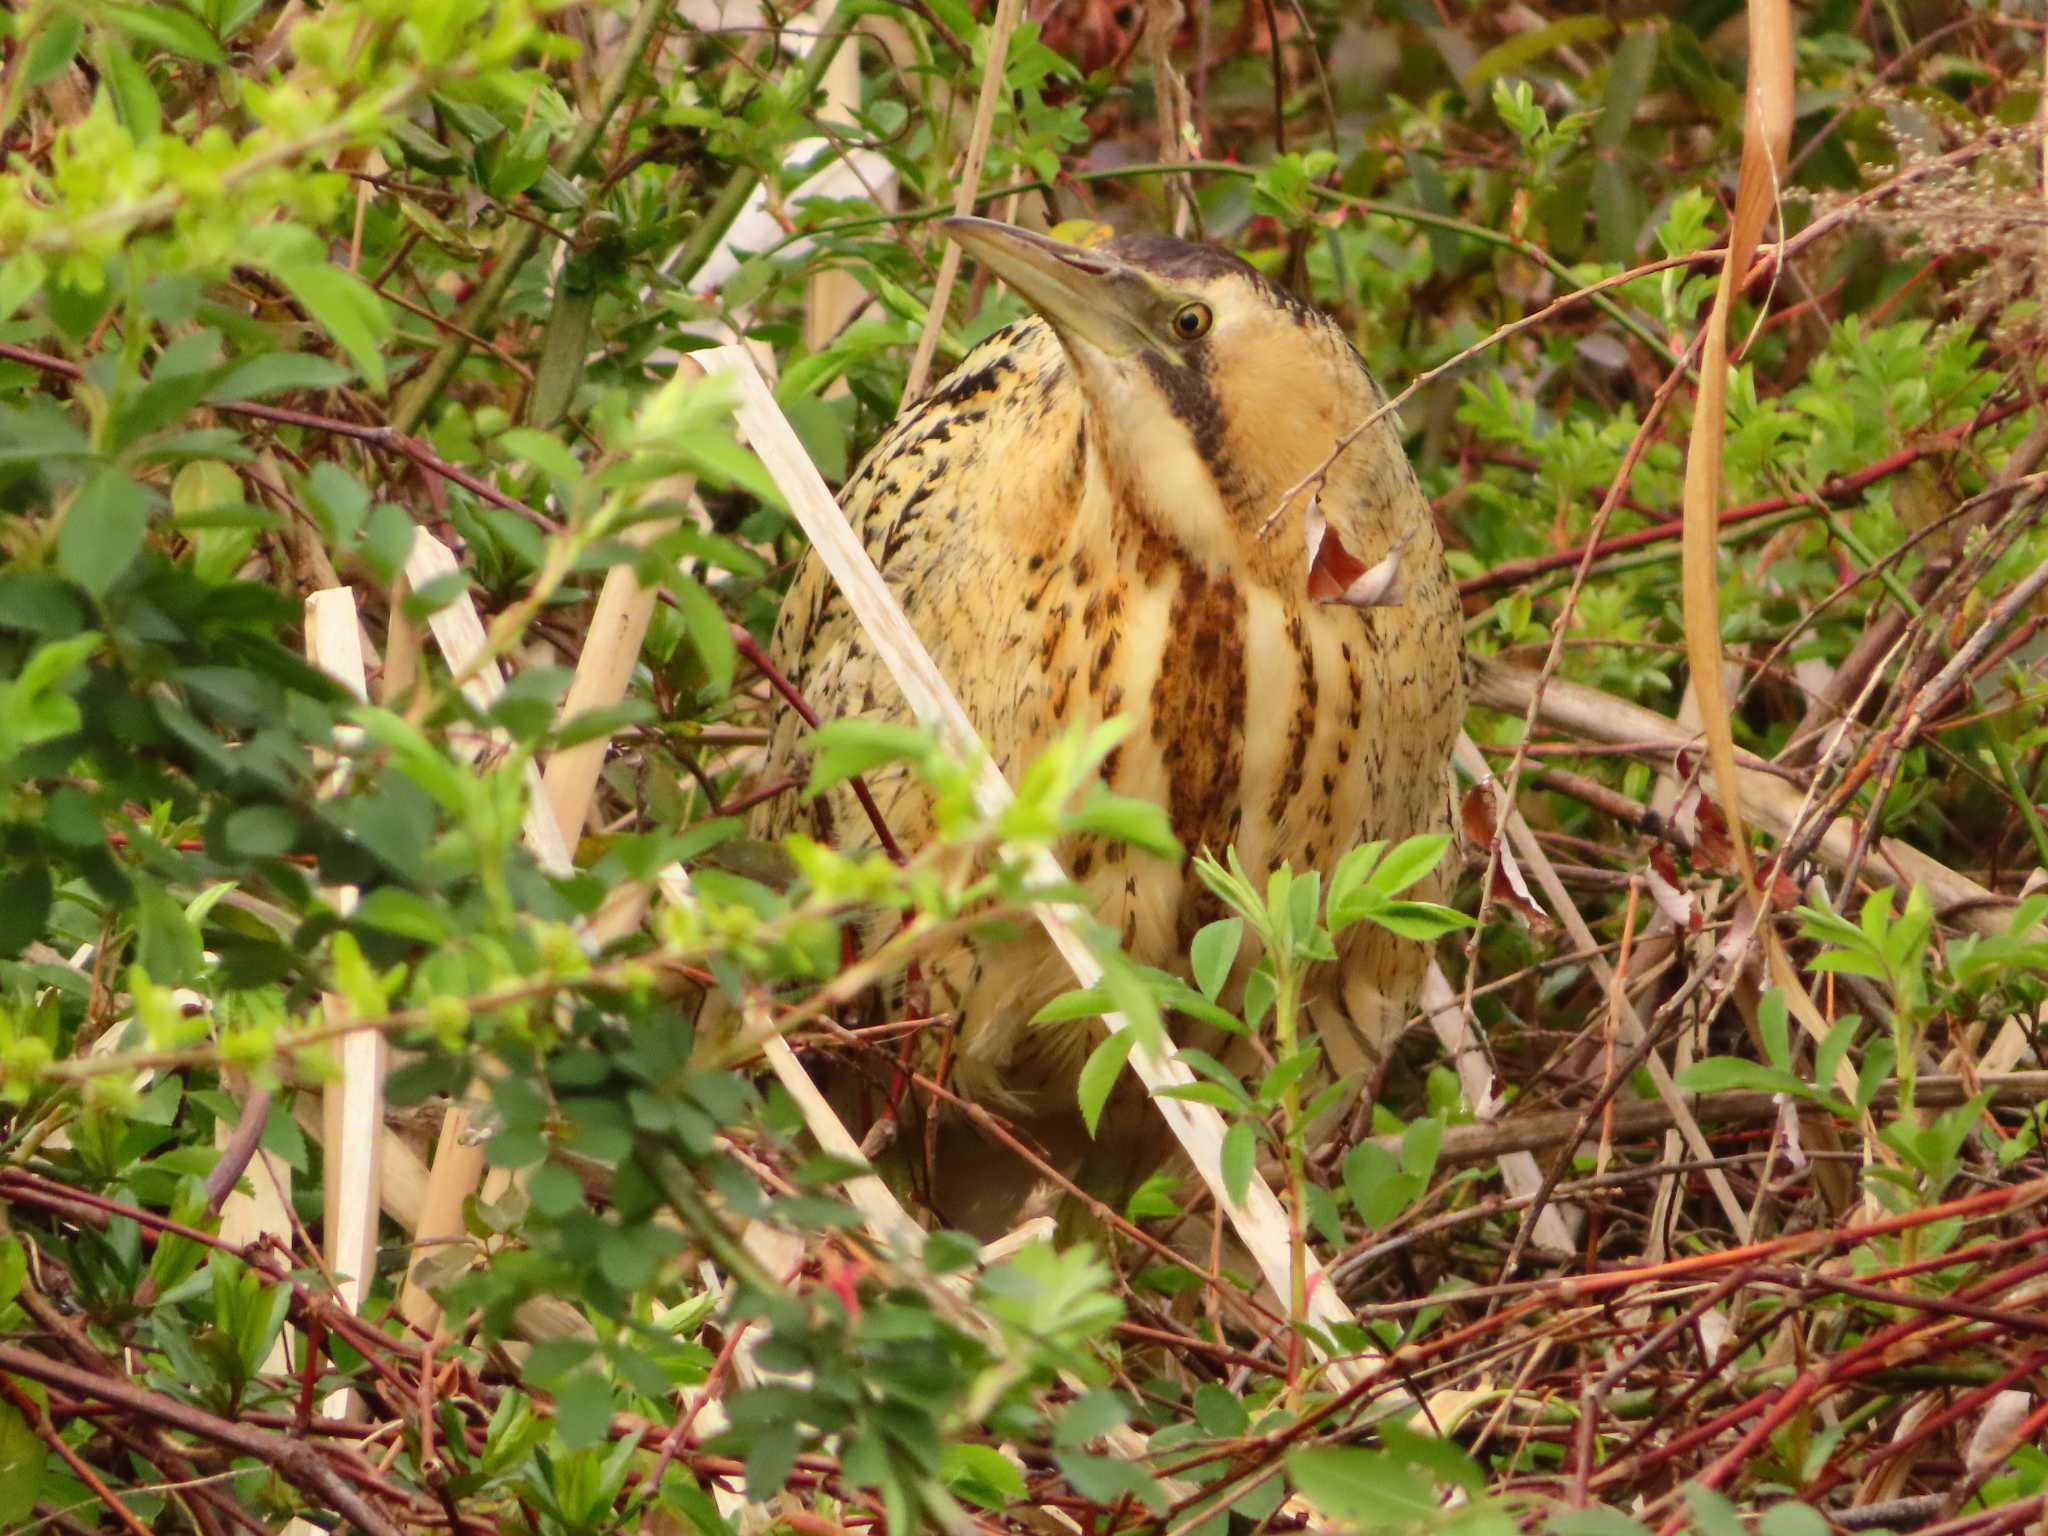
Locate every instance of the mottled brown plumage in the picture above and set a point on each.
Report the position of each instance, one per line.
(1072, 521)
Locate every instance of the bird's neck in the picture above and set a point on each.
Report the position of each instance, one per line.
(1150, 496)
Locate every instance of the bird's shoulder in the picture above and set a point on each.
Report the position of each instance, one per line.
(946, 503)
(985, 422)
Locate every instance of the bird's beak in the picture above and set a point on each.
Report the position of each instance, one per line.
(1085, 294)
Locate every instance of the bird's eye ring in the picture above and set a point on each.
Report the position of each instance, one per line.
(1191, 322)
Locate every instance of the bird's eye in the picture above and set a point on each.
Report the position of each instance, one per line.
(1191, 322)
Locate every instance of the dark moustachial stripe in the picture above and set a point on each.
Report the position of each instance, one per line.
(1184, 381)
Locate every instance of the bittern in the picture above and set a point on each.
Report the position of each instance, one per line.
(1080, 522)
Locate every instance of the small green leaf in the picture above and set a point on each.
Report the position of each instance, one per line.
(21, 278)
(21, 1463)
(1379, 1189)
(1774, 1025)
(545, 453)
(165, 26)
(1287, 1073)
(1240, 1148)
(1368, 1488)
(275, 373)
(1081, 1003)
(1791, 1518)
(1712, 1514)
(1104, 1479)
(1409, 861)
(1421, 920)
(1099, 1074)
(845, 749)
(13, 1268)
(1419, 1147)
(51, 50)
(135, 99)
(348, 310)
(1829, 1054)
(1719, 1074)
(1220, 1412)
(981, 1474)
(103, 531)
(1594, 1520)
(1090, 1417)
(1140, 823)
(1214, 952)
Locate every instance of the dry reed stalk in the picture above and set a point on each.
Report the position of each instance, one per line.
(1008, 13)
(352, 1107)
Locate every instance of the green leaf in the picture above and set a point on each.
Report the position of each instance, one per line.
(1712, 1514)
(1419, 1147)
(1081, 1003)
(396, 910)
(1105, 1479)
(1379, 1189)
(135, 99)
(1214, 952)
(1527, 47)
(1287, 1073)
(1791, 1518)
(1774, 1024)
(1220, 1412)
(1099, 1074)
(1240, 1148)
(1140, 823)
(844, 749)
(166, 26)
(13, 1268)
(34, 708)
(1368, 1488)
(103, 531)
(21, 1463)
(717, 456)
(259, 832)
(348, 310)
(1090, 1417)
(1409, 861)
(276, 373)
(1421, 920)
(51, 49)
(1594, 1520)
(1628, 76)
(21, 279)
(1350, 897)
(1830, 1053)
(981, 1474)
(1719, 1074)
(544, 452)
(422, 149)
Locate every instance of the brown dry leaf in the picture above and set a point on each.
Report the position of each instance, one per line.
(1510, 887)
(1668, 891)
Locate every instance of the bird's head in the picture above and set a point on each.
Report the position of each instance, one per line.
(1212, 394)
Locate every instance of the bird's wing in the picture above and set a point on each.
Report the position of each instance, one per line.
(946, 505)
